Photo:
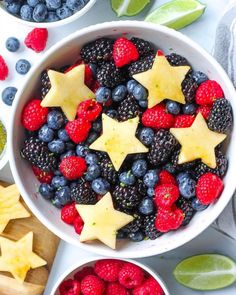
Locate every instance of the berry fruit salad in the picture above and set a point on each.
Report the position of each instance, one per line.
(127, 142)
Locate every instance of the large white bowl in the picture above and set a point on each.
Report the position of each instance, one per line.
(66, 52)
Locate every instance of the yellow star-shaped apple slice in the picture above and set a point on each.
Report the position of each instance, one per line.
(18, 257)
(67, 91)
(118, 140)
(101, 221)
(163, 81)
(198, 142)
(10, 206)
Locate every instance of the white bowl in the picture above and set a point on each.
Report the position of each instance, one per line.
(69, 273)
(66, 52)
(65, 21)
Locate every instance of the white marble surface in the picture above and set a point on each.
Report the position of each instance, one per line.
(203, 32)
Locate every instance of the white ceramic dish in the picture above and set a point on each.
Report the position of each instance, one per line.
(65, 52)
(68, 274)
(4, 154)
(65, 21)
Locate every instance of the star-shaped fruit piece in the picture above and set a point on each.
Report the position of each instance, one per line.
(18, 257)
(198, 142)
(10, 206)
(118, 140)
(102, 221)
(67, 91)
(163, 81)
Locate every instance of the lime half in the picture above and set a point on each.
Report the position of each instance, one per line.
(128, 7)
(177, 14)
(206, 272)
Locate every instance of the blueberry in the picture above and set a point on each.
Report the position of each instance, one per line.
(40, 12)
(93, 172)
(26, 12)
(127, 178)
(33, 3)
(93, 68)
(46, 190)
(58, 181)
(75, 5)
(91, 159)
(101, 186)
(189, 108)
(97, 126)
(146, 136)
(139, 168)
(138, 236)
(92, 137)
(197, 205)
(46, 134)
(67, 154)
(55, 120)
(121, 235)
(130, 85)
(22, 66)
(187, 185)
(8, 95)
(112, 113)
(82, 150)
(150, 192)
(56, 146)
(63, 135)
(14, 7)
(53, 4)
(12, 44)
(173, 107)
(63, 12)
(119, 93)
(146, 207)
(139, 92)
(143, 103)
(62, 197)
(52, 17)
(150, 178)
(103, 94)
(199, 77)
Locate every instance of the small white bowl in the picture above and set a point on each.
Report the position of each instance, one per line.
(69, 273)
(4, 154)
(62, 22)
(66, 52)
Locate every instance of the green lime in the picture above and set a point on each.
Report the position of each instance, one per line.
(128, 7)
(206, 272)
(177, 14)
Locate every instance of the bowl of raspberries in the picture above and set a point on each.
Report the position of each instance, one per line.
(108, 276)
(120, 140)
(45, 13)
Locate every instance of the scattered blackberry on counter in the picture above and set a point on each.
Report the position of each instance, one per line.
(82, 193)
(108, 171)
(46, 84)
(189, 87)
(141, 65)
(128, 108)
(186, 207)
(144, 47)
(110, 76)
(126, 197)
(135, 225)
(149, 227)
(177, 60)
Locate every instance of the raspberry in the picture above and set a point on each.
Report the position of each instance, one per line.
(42, 176)
(69, 287)
(124, 52)
(157, 117)
(92, 285)
(78, 129)
(208, 92)
(183, 121)
(167, 220)
(34, 115)
(209, 188)
(205, 111)
(166, 195)
(89, 109)
(37, 39)
(69, 213)
(73, 167)
(166, 177)
(149, 287)
(3, 69)
(85, 271)
(116, 289)
(78, 225)
(131, 276)
(108, 269)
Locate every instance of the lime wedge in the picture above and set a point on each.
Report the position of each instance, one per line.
(177, 14)
(206, 272)
(128, 7)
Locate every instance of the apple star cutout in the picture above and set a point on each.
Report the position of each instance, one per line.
(10, 206)
(163, 81)
(67, 91)
(102, 221)
(118, 140)
(198, 142)
(18, 257)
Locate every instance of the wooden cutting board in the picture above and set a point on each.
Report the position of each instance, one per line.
(45, 245)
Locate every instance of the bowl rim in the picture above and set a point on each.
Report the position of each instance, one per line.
(55, 229)
(84, 261)
(48, 25)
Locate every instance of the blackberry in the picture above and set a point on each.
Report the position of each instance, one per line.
(97, 51)
(221, 117)
(135, 225)
(82, 193)
(144, 47)
(186, 207)
(141, 65)
(141, 188)
(177, 60)
(37, 153)
(110, 76)
(149, 227)
(46, 84)
(181, 167)
(128, 108)
(108, 171)
(189, 87)
(126, 197)
(162, 147)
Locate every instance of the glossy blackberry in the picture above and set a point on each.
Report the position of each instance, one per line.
(82, 193)
(149, 227)
(37, 153)
(128, 108)
(186, 207)
(97, 51)
(181, 167)
(46, 84)
(189, 87)
(110, 76)
(141, 65)
(177, 60)
(107, 170)
(126, 197)
(221, 117)
(162, 147)
(135, 225)
(144, 47)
